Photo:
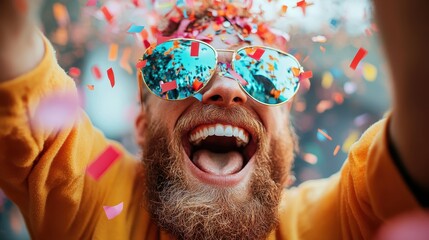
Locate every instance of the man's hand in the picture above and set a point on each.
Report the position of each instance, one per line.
(21, 46)
(405, 31)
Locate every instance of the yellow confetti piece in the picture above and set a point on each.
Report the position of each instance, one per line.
(352, 138)
(337, 148)
(327, 80)
(369, 72)
(310, 158)
(113, 52)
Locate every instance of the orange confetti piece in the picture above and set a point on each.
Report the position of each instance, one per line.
(113, 52)
(324, 134)
(284, 10)
(90, 87)
(296, 71)
(124, 63)
(61, 14)
(141, 64)
(197, 85)
(337, 148)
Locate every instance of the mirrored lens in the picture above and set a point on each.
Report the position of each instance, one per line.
(177, 69)
(272, 77)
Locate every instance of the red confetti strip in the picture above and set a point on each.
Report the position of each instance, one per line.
(111, 76)
(324, 134)
(359, 56)
(146, 43)
(337, 148)
(168, 86)
(141, 64)
(306, 75)
(96, 71)
(103, 162)
(107, 14)
(195, 49)
(258, 54)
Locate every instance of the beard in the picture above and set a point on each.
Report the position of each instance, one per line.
(189, 209)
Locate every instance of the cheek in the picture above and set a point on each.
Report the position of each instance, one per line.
(166, 112)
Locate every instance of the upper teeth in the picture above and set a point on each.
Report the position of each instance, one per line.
(201, 133)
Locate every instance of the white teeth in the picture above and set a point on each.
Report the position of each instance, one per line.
(242, 137)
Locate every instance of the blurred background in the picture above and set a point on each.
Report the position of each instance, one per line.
(329, 113)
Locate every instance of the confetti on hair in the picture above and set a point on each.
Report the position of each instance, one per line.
(237, 76)
(74, 72)
(358, 57)
(91, 3)
(135, 29)
(113, 211)
(96, 72)
(90, 87)
(324, 134)
(310, 158)
(257, 54)
(103, 162)
(107, 15)
(336, 150)
(111, 76)
(195, 49)
(168, 86)
(113, 52)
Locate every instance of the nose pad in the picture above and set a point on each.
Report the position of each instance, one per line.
(224, 91)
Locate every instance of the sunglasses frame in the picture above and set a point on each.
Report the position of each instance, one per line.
(216, 65)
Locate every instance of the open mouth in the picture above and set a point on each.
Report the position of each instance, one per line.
(219, 150)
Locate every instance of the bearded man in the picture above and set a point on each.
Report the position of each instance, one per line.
(216, 138)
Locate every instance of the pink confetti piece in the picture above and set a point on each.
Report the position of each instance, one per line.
(136, 3)
(141, 64)
(337, 148)
(113, 211)
(96, 72)
(358, 57)
(103, 162)
(238, 77)
(111, 76)
(91, 3)
(257, 54)
(107, 14)
(168, 86)
(195, 49)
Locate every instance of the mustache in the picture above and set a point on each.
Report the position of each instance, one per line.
(212, 114)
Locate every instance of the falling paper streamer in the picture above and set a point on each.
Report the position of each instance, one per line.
(358, 57)
(114, 211)
(135, 29)
(111, 76)
(103, 162)
(168, 86)
(124, 63)
(195, 49)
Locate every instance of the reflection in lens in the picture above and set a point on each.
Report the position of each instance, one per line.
(270, 78)
(172, 73)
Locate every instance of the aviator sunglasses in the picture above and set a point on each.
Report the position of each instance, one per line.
(179, 68)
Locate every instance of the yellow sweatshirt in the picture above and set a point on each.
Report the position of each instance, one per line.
(44, 173)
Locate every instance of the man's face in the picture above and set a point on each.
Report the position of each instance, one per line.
(215, 168)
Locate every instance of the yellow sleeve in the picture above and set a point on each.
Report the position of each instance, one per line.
(353, 203)
(44, 170)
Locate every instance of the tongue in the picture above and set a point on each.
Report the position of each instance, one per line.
(218, 163)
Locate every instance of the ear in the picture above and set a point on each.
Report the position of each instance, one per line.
(141, 126)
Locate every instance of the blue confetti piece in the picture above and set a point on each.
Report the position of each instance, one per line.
(135, 29)
(198, 96)
(334, 22)
(320, 136)
(185, 14)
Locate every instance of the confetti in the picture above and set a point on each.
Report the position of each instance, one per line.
(61, 14)
(135, 29)
(168, 86)
(258, 54)
(324, 134)
(303, 5)
(359, 56)
(136, 3)
(195, 49)
(322, 49)
(238, 77)
(90, 87)
(141, 64)
(283, 10)
(96, 72)
(337, 148)
(198, 96)
(296, 71)
(124, 63)
(113, 52)
(107, 14)
(74, 72)
(197, 85)
(327, 79)
(91, 3)
(319, 39)
(112, 212)
(103, 162)
(369, 72)
(306, 75)
(310, 158)
(111, 76)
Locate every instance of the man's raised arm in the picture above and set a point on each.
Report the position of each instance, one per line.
(405, 31)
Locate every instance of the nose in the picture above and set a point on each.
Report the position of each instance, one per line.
(224, 92)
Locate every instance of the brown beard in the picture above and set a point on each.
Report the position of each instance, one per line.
(191, 210)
